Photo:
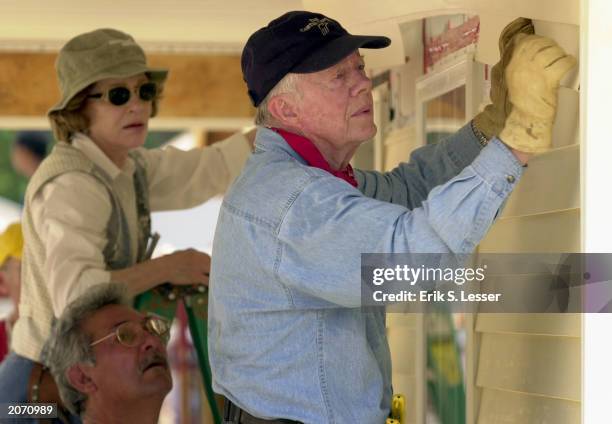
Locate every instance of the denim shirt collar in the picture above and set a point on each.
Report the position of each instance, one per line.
(269, 140)
(308, 153)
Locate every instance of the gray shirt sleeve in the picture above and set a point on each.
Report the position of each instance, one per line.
(409, 184)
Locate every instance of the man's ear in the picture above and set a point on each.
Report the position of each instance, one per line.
(79, 378)
(283, 109)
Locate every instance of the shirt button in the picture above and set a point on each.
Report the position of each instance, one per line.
(510, 179)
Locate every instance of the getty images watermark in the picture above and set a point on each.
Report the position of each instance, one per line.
(426, 276)
(508, 283)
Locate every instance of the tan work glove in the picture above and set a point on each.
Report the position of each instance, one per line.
(533, 77)
(492, 119)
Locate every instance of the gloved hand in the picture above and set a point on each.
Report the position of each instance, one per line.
(492, 119)
(533, 76)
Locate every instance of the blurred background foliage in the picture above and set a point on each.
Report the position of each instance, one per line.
(13, 185)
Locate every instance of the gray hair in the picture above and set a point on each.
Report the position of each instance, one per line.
(68, 345)
(288, 84)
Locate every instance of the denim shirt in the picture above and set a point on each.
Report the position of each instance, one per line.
(287, 336)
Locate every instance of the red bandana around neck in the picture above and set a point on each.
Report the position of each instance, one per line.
(313, 157)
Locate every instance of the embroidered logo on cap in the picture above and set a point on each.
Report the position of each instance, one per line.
(319, 23)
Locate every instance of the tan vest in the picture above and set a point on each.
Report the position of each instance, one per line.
(35, 308)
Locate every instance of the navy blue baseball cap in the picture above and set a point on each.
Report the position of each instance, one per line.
(299, 42)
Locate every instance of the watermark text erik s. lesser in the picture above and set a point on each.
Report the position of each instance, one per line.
(413, 276)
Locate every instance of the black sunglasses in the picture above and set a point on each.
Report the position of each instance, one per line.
(119, 96)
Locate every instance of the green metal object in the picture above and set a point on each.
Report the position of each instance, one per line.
(152, 301)
(198, 329)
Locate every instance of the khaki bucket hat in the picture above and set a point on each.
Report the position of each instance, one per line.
(97, 55)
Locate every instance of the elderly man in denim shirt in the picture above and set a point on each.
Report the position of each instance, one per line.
(288, 341)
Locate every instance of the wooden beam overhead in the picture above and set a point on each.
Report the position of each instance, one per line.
(198, 86)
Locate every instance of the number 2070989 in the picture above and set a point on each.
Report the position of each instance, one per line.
(28, 410)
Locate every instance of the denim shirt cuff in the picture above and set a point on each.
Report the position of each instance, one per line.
(498, 167)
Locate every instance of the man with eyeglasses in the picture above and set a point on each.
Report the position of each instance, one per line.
(288, 339)
(108, 360)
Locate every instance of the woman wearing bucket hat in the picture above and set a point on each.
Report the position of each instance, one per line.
(87, 208)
